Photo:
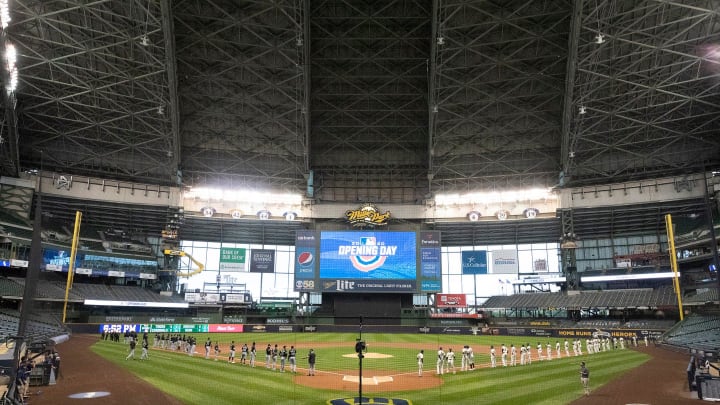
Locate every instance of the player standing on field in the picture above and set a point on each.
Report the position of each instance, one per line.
(440, 359)
(420, 358)
(585, 378)
(471, 358)
(231, 357)
(549, 351)
(464, 359)
(283, 356)
(450, 356)
(253, 354)
(311, 362)
(243, 353)
(144, 354)
(291, 356)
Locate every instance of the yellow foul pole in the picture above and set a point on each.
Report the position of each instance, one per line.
(71, 268)
(673, 262)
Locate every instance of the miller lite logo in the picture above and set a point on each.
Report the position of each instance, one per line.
(339, 285)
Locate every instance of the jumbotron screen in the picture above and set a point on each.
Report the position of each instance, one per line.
(367, 261)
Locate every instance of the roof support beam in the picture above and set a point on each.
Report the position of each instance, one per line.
(568, 111)
(307, 82)
(173, 107)
(432, 108)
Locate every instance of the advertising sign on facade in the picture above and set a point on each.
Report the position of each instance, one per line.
(474, 262)
(505, 262)
(232, 259)
(262, 261)
(450, 300)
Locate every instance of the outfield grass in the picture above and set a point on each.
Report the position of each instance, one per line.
(195, 380)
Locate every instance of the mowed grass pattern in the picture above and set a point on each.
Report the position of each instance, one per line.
(195, 380)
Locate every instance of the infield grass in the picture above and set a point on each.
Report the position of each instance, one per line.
(195, 380)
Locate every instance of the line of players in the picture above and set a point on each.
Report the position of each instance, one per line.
(594, 345)
(275, 358)
(446, 360)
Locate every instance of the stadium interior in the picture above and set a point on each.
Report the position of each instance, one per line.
(141, 141)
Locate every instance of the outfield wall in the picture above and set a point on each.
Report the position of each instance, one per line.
(561, 333)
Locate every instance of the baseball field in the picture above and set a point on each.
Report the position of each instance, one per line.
(390, 371)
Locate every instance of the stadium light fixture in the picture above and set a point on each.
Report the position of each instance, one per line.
(243, 196)
(4, 13)
(512, 196)
(599, 38)
(11, 60)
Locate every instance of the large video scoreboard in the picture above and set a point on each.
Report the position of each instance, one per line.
(368, 261)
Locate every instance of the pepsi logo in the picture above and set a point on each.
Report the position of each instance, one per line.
(305, 258)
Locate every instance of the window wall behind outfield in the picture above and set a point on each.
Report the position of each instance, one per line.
(536, 258)
(276, 285)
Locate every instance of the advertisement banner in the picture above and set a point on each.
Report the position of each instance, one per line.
(505, 262)
(262, 261)
(571, 333)
(202, 298)
(360, 285)
(456, 315)
(430, 261)
(474, 262)
(225, 328)
(232, 298)
(232, 259)
(305, 263)
(450, 300)
(177, 328)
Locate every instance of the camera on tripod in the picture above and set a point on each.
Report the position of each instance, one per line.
(360, 347)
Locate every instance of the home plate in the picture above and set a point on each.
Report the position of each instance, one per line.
(368, 381)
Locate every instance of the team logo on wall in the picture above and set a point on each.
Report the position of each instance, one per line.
(370, 400)
(367, 216)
